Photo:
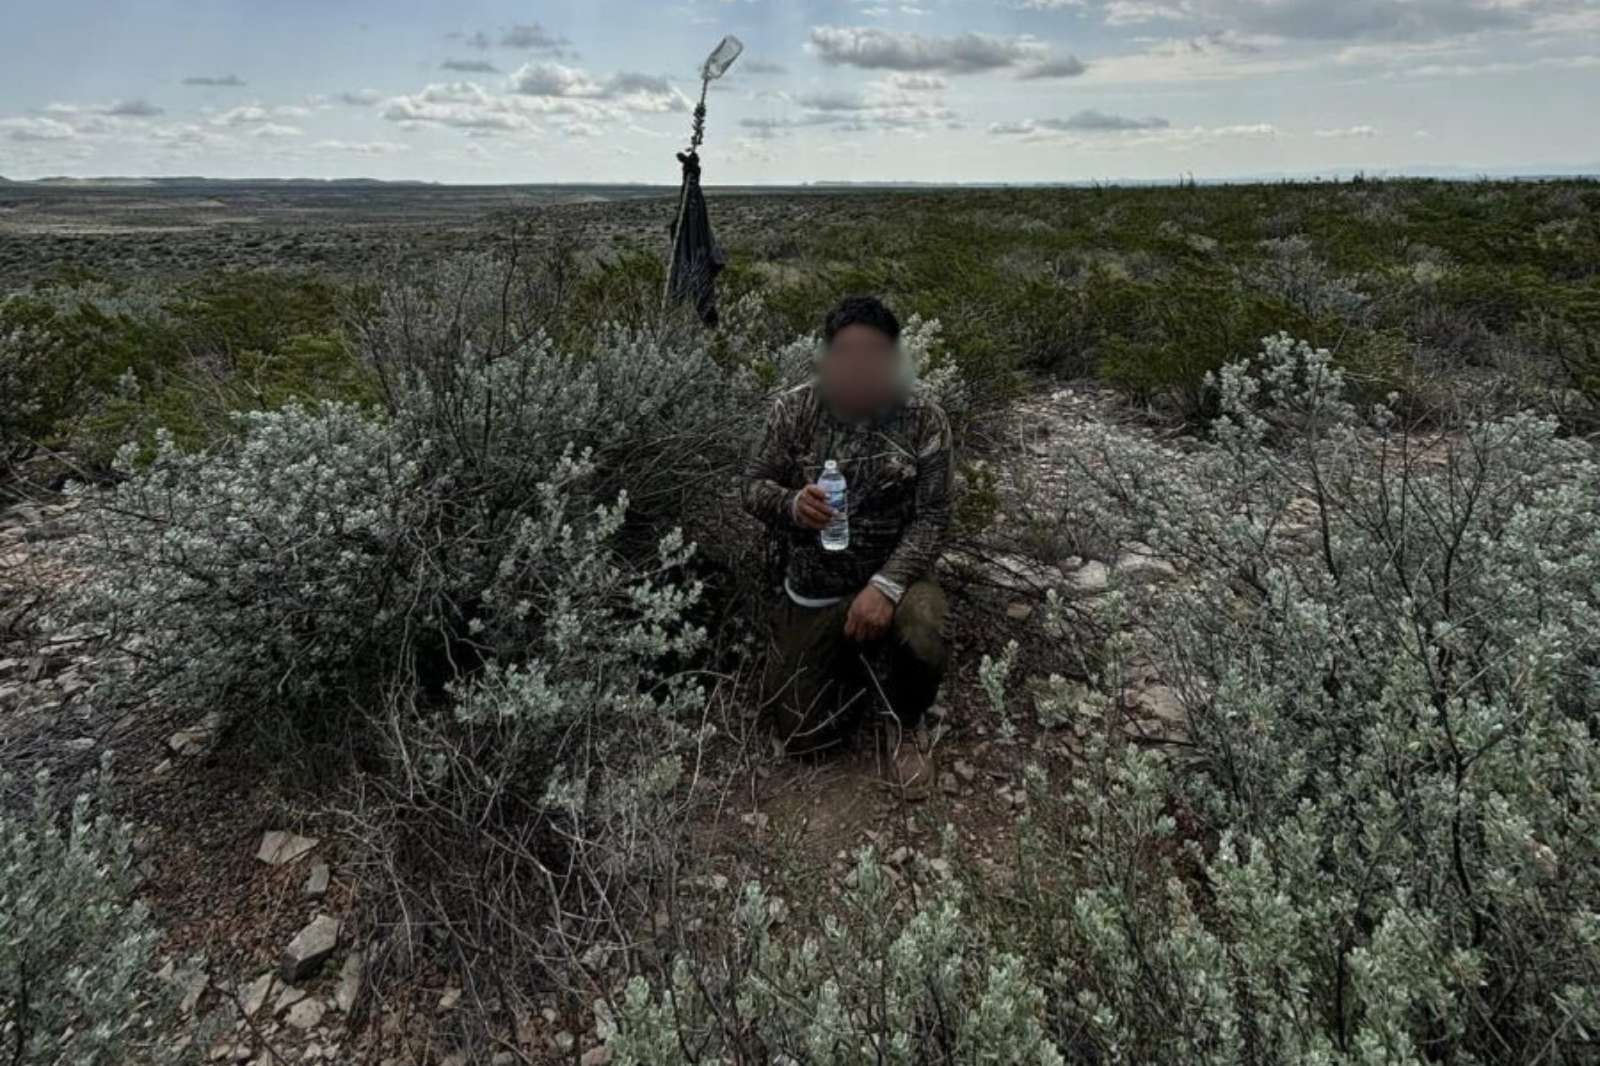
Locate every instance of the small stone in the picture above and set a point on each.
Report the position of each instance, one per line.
(1141, 563)
(565, 1042)
(755, 819)
(899, 856)
(966, 771)
(193, 988)
(279, 846)
(1019, 611)
(344, 997)
(448, 1001)
(317, 882)
(80, 744)
(287, 999)
(948, 783)
(1163, 703)
(940, 867)
(309, 948)
(596, 1056)
(188, 742)
(503, 1058)
(256, 995)
(307, 1014)
(1091, 578)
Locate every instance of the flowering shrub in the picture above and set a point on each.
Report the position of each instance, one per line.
(76, 977)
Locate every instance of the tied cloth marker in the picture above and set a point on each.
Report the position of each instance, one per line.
(696, 258)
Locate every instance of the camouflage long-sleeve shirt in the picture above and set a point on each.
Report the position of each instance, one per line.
(897, 469)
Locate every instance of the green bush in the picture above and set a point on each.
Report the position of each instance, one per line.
(874, 986)
(77, 980)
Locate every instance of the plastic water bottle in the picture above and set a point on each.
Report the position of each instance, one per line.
(835, 536)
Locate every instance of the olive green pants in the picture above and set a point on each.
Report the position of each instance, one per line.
(820, 684)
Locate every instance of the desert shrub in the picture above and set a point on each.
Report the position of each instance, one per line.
(31, 393)
(319, 555)
(518, 825)
(475, 584)
(272, 576)
(1185, 329)
(878, 984)
(120, 364)
(77, 982)
(1381, 842)
(1385, 648)
(1292, 272)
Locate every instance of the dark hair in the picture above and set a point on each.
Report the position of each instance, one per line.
(861, 311)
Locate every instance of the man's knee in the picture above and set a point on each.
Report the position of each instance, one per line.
(919, 623)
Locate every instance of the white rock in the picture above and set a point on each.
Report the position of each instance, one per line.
(256, 995)
(317, 881)
(1141, 562)
(287, 999)
(1091, 578)
(309, 948)
(344, 997)
(279, 846)
(193, 988)
(307, 1014)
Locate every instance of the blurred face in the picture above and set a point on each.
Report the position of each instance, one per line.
(860, 371)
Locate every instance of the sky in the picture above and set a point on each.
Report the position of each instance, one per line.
(826, 90)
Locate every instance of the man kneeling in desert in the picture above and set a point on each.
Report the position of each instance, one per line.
(858, 636)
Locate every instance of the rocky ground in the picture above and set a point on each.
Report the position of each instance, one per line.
(236, 871)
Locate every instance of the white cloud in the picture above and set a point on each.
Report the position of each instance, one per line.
(553, 79)
(133, 109)
(1330, 20)
(918, 83)
(627, 90)
(1347, 133)
(533, 37)
(1056, 67)
(462, 105)
(872, 48)
(1086, 121)
(36, 129)
(256, 114)
(367, 148)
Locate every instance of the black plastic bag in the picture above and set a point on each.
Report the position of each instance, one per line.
(697, 258)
